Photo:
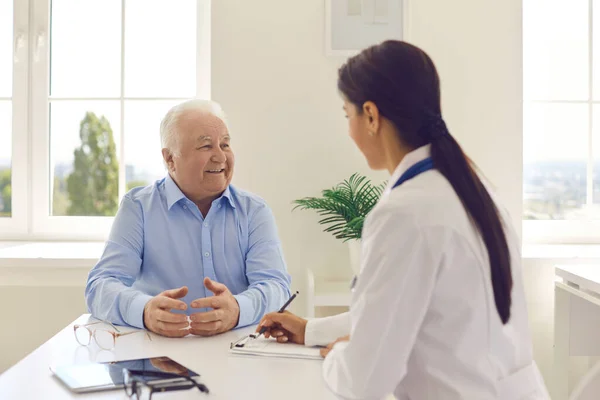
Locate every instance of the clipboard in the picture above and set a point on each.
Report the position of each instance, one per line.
(262, 347)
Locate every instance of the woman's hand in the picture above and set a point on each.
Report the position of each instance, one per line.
(326, 350)
(285, 327)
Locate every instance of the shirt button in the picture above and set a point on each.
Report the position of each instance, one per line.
(185, 207)
(219, 206)
(207, 254)
(206, 225)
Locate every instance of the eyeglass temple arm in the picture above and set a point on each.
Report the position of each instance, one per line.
(102, 322)
(86, 325)
(202, 387)
(142, 373)
(129, 333)
(112, 326)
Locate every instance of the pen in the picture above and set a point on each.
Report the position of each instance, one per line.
(282, 309)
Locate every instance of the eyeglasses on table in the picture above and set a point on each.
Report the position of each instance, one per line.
(143, 384)
(105, 339)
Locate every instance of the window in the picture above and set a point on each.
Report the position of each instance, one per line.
(102, 74)
(561, 149)
(13, 117)
(6, 78)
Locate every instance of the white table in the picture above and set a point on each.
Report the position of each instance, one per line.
(576, 320)
(227, 376)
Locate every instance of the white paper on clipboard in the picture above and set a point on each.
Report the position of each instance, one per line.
(270, 348)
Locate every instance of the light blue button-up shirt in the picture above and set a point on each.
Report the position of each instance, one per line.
(160, 240)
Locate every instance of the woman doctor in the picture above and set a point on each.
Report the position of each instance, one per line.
(438, 310)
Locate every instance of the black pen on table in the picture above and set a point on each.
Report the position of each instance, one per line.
(282, 309)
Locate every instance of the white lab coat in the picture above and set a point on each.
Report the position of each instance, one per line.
(423, 321)
(322, 331)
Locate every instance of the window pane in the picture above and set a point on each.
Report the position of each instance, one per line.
(555, 161)
(5, 158)
(143, 158)
(83, 157)
(85, 48)
(555, 49)
(596, 145)
(596, 51)
(6, 48)
(160, 48)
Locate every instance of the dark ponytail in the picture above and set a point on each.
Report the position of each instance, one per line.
(403, 82)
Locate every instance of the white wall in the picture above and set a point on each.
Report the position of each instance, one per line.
(272, 78)
(477, 47)
(288, 129)
(32, 315)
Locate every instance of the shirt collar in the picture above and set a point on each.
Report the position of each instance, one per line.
(227, 194)
(174, 194)
(172, 191)
(408, 161)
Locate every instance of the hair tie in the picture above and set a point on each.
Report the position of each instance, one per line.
(433, 127)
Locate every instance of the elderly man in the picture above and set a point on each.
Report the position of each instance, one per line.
(190, 245)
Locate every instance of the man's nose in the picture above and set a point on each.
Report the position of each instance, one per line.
(219, 156)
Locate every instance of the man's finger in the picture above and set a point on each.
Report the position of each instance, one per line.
(215, 287)
(166, 316)
(210, 329)
(173, 333)
(206, 326)
(167, 326)
(167, 303)
(209, 316)
(176, 293)
(282, 339)
(204, 333)
(324, 352)
(207, 302)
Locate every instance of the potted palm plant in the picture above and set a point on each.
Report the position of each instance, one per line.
(344, 209)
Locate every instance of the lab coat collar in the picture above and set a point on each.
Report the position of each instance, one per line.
(408, 161)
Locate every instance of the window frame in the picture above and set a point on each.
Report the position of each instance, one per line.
(16, 225)
(571, 231)
(32, 174)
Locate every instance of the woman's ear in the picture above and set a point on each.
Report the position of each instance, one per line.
(371, 113)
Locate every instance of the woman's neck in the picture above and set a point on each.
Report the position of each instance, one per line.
(394, 152)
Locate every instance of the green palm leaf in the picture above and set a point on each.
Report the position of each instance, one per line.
(345, 206)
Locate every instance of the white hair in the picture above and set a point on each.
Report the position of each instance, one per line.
(168, 126)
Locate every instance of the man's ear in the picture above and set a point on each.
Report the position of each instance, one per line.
(168, 157)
